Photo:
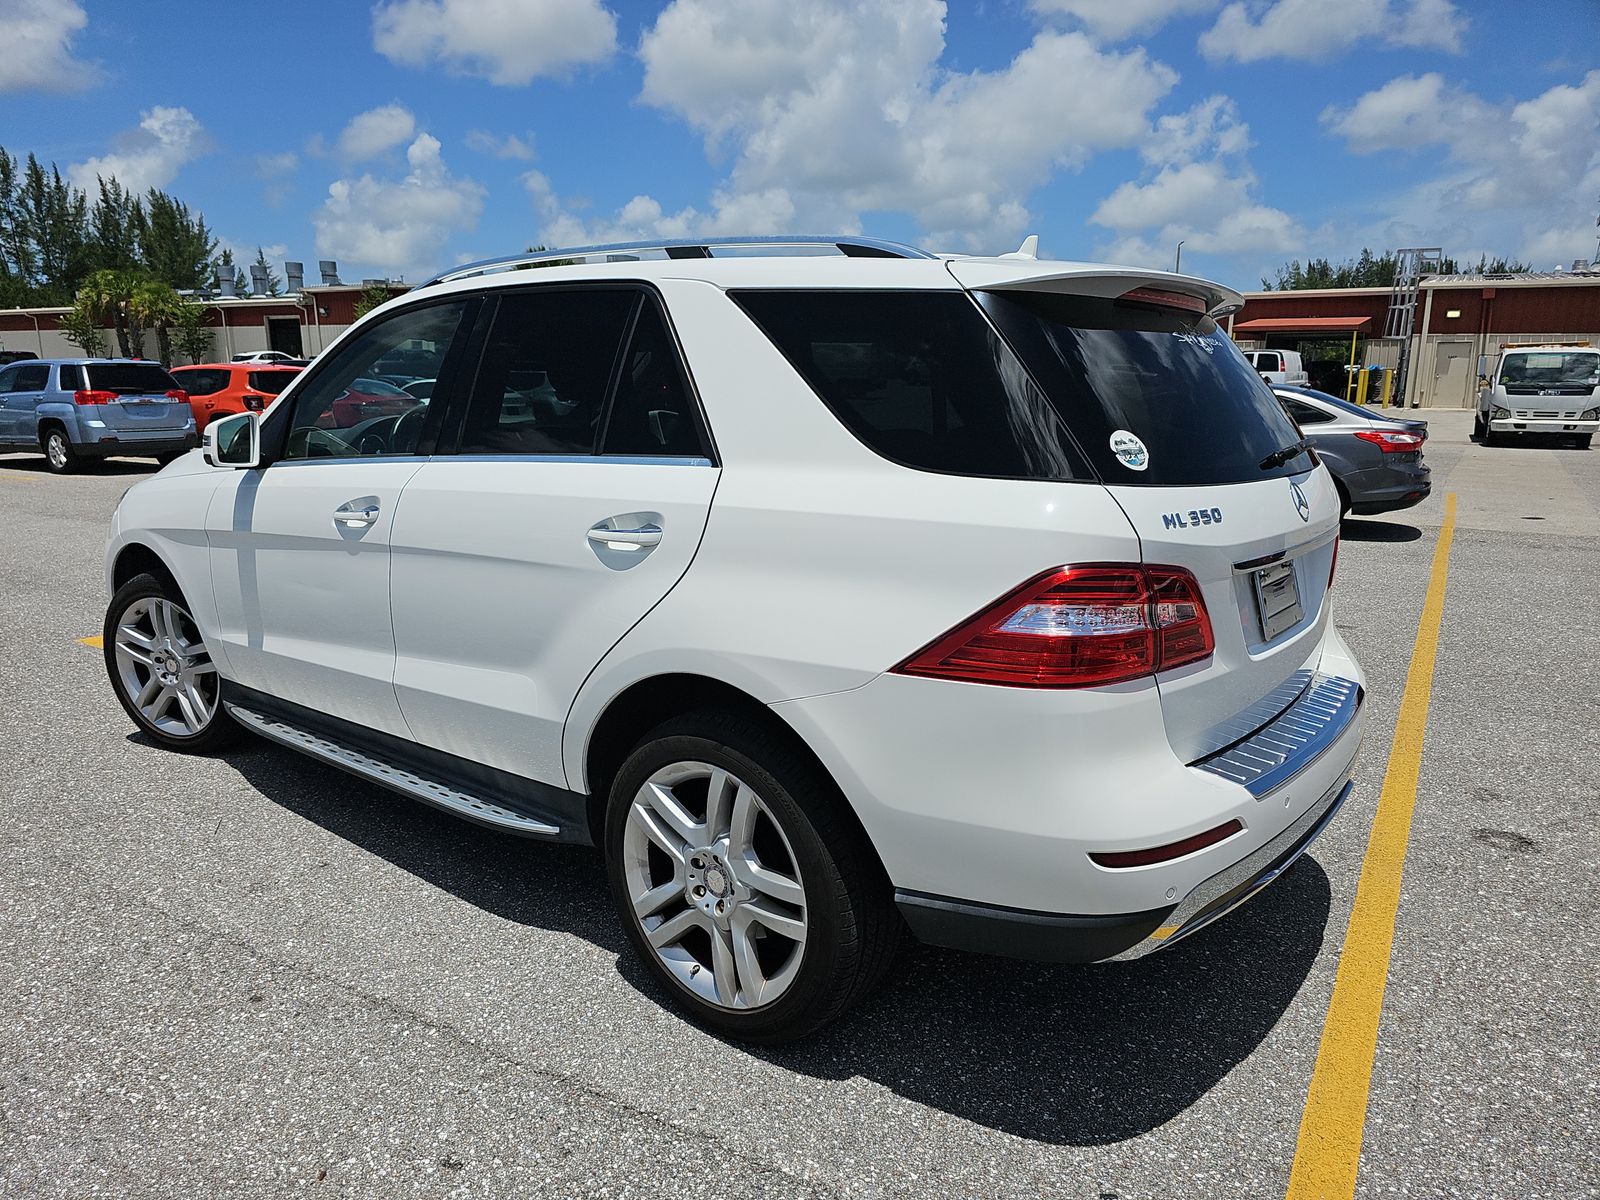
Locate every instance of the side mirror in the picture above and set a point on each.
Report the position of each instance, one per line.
(234, 441)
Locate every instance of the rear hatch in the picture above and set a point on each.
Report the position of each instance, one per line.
(133, 397)
(1198, 453)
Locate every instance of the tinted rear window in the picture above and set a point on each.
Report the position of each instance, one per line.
(922, 379)
(134, 379)
(270, 382)
(1172, 379)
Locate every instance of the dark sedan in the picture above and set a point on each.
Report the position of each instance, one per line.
(1376, 461)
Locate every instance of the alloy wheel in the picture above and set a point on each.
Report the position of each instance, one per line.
(714, 885)
(164, 668)
(55, 449)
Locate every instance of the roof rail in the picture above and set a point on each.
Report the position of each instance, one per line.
(851, 247)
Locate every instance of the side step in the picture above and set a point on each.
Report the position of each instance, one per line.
(461, 804)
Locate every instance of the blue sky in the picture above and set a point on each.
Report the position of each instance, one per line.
(409, 135)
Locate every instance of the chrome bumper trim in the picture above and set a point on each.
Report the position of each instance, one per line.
(1289, 743)
(1228, 889)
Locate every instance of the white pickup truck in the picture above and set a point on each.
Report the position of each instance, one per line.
(1549, 388)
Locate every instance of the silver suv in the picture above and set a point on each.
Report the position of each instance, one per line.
(71, 409)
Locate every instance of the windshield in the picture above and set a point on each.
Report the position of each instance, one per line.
(1155, 396)
(1552, 368)
(130, 379)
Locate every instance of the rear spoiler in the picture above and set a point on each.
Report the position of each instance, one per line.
(1088, 279)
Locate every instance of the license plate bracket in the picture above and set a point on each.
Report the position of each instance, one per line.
(1277, 598)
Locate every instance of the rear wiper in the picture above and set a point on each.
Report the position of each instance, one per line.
(1278, 457)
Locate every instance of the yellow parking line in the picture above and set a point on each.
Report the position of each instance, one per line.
(1329, 1150)
(97, 641)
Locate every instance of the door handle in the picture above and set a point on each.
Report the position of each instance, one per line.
(356, 516)
(645, 535)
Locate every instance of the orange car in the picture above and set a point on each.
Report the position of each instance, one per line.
(222, 389)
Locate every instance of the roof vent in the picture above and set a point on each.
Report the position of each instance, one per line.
(294, 276)
(330, 272)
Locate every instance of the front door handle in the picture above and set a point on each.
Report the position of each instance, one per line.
(645, 535)
(359, 517)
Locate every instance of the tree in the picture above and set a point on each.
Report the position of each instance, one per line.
(1367, 270)
(104, 295)
(152, 304)
(82, 327)
(116, 227)
(55, 218)
(176, 247)
(191, 332)
(274, 285)
(372, 295)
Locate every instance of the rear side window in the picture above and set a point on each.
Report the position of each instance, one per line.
(130, 379)
(1305, 414)
(653, 411)
(1168, 378)
(71, 377)
(546, 369)
(201, 382)
(270, 382)
(32, 378)
(922, 379)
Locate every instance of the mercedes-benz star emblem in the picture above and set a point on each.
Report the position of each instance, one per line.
(1301, 504)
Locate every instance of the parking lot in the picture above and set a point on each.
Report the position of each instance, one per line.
(255, 975)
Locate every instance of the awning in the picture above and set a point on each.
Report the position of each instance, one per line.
(1302, 325)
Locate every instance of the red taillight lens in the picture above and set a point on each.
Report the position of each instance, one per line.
(181, 397)
(1164, 299)
(1081, 626)
(255, 403)
(1391, 443)
(1172, 850)
(83, 397)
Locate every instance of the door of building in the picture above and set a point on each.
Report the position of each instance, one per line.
(283, 333)
(1452, 374)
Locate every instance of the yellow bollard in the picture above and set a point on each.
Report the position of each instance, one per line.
(1361, 386)
(1388, 383)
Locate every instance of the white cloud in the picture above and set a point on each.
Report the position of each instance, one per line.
(1318, 29)
(642, 218)
(508, 42)
(510, 146)
(149, 156)
(38, 53)
(269, 166)
(375, 132)
(829, 109)
(1115, 20)
(399, 226)
(1198, 187)
(1515, 179)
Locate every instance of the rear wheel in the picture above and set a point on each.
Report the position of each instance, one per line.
(1344, 498)
(742, 884)
(161, 670)
(58, 453)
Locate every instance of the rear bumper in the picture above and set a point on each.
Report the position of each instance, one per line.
(142, 446)
(1386, 488)
(1272, 765)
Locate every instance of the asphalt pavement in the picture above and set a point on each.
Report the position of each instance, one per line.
(256, 976)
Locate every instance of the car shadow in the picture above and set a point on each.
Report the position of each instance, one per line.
(1071, 1055)
(35, 465)
(1354, 529)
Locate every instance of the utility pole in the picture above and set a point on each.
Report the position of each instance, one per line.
(1177, 259)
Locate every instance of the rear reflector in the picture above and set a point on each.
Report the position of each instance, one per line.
(1156, 854)
(1391, 443)
(1165, 299)
(1079, 626)
(83, 397)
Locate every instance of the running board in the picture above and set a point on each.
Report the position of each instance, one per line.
(461, 804)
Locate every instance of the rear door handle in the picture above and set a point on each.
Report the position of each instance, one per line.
(361, 517)
(645, 535)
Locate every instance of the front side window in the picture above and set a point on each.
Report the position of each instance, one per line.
(32, 378)
(547, 366)
(344, 412)
(8, 379)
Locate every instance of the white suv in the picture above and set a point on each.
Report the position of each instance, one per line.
(831, 595)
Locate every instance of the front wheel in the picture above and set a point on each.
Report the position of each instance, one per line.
(161, 670)
(1582, 440)
(744, 886)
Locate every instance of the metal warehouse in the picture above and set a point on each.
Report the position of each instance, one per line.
(1460, 322)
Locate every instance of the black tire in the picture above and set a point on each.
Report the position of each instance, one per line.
(1582, 440)
(852, 930)
(220, 730)
(59, 456)
(1344, 498)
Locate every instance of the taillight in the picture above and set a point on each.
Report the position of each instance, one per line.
(255, 403)
(86, 397)
(1391, 443)
(1161, 298)
(1079, 626)
(180, 396)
